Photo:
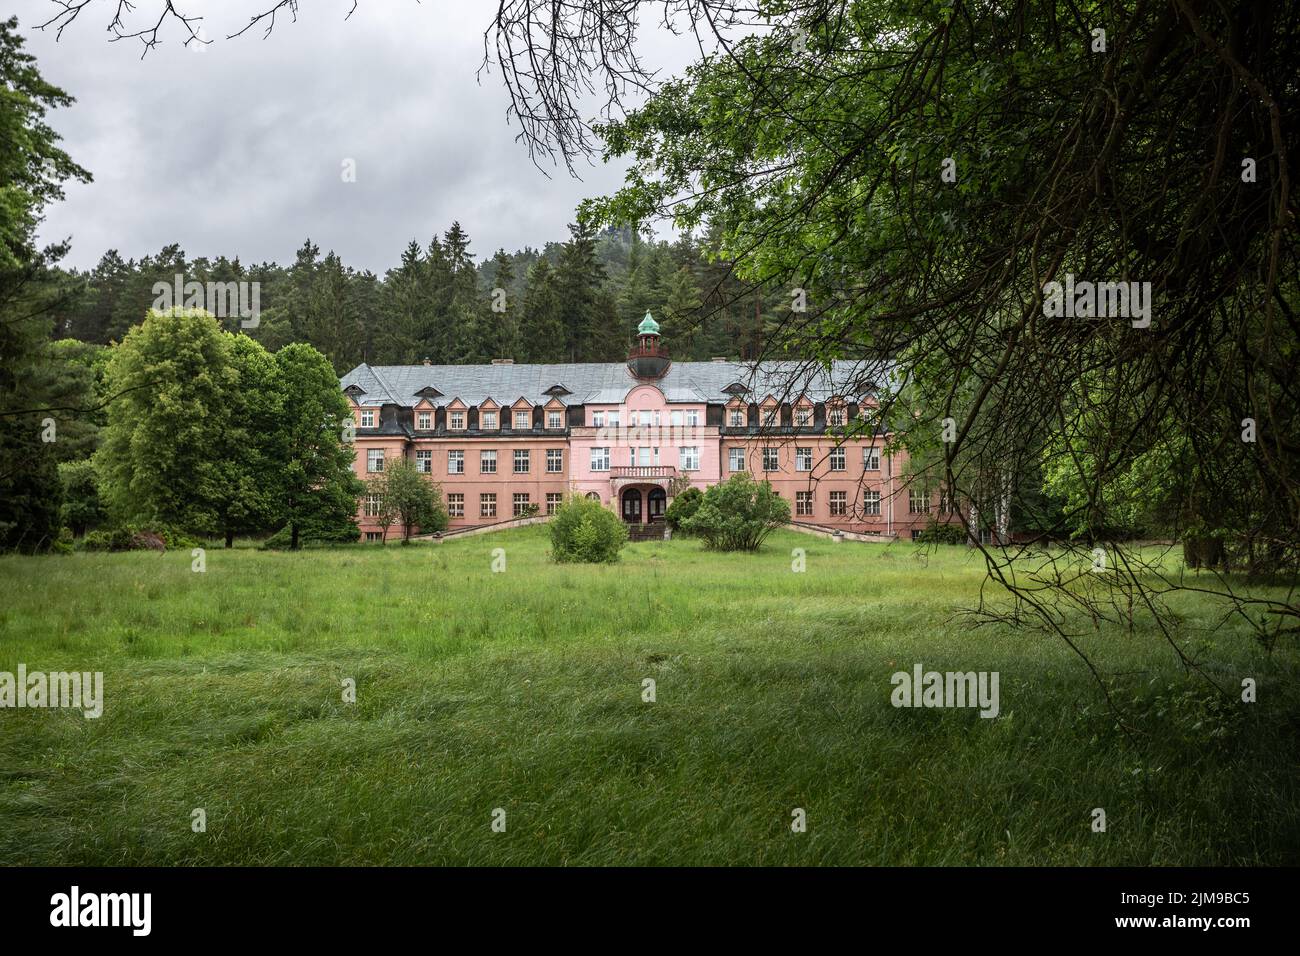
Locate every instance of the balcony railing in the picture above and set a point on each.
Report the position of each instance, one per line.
(648, 351)
(643, 471)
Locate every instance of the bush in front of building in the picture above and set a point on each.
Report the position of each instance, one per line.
(738, 514)
(683, 508)
(942, 532)
(584, 531)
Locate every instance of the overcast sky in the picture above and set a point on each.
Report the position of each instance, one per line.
(238, 150)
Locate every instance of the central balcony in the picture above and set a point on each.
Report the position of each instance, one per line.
(643, 471)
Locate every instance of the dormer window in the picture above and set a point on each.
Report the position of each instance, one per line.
(554, 420)
(736, 418)
(835, 416)
(367, 418)
(523, 419)
(487, 419)
(456, 421)
(803, 416)
(769, 418)
(423, 421)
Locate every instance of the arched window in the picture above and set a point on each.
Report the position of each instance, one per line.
(593, 495)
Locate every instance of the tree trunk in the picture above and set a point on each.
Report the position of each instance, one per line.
(230, 538)
(293, 538)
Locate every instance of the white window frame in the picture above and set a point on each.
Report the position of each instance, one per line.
(688, 457)
(456, 505)
(554, 461)
(871, 502)
(774, 456)
(424, 461)
(455, 461)
(523, 420)
(600, 458)
(487, 419)
(487, 504)
(367, 418)
(524, 456)
(838, 460)
(871, 458)
(554, 420)
(803, 504)
(374, 461)
(803, 458)
(486, 455)
(736, 454)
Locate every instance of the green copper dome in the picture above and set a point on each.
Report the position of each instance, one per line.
(648, 326)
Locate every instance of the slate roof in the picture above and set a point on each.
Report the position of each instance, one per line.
(600, 383)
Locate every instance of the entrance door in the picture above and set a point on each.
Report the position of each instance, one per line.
(632, 506)
(655, 503)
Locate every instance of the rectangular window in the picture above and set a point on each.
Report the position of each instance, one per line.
(771, 459)
(803, 503)
(946, 505)
(918, 502)
(803, 416)
(487, 505)
(644, 457)
(554, 420)
(689, 458)
(835, 417)
(367, 418)
(374, 536)
(375, 459)
(487, 419)
(554, 461)
(736, 459)
(520, 501)
(523, 420)
(769, 418)
(600, 459)
(675, 419)
(871, 459)
(423, 421)
(487, 462)
(372, 506)
(871, 502)
(736, 418)
(553, 499)
(839, 502)
(611, 419)
(424, 462)
(803, 459)
(692, 417)
(456, 421)
(455, 462)
(456, 505)
(598, 419)
(523, 460)
(837, 459)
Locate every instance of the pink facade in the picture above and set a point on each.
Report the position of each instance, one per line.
(501, 439)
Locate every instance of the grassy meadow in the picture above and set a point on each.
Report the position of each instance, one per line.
(522, 690)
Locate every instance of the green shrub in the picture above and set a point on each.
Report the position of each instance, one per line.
(683, 507)
(738, 514)
(348, 533)
(585, 531)
(65, 542)
(937, 532)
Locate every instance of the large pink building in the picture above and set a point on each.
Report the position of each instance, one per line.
(502, 438)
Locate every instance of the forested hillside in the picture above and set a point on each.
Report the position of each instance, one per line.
(573, 301)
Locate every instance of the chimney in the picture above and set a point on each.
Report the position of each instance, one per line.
(503, 361)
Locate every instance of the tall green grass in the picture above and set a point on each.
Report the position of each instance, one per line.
(522, 690)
